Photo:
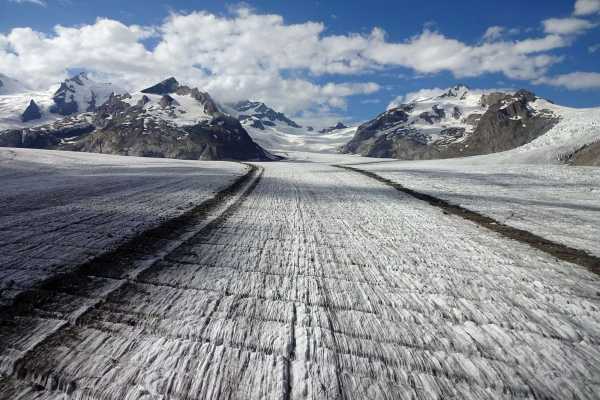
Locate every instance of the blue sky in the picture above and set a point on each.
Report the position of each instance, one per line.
(398, 49)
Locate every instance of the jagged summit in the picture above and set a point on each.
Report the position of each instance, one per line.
(32, 112)
(168, 86)
(336, 127)
(458, 91)
(456, 123)
(259, 115)
(81, 94)
(183, 123)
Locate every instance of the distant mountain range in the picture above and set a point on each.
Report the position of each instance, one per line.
(456, 123)
(259, 115)
(169, 119)
(165, 120)
(463, 122)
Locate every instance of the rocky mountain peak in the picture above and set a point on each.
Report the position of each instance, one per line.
(81, 94)
(168, 86)
(253, 111)
(336, 127)
(525, 95)
(79, 79)
(32, 112)
(210, 107)
(456, 123)
(459, 91)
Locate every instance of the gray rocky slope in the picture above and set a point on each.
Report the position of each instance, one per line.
(165, 120)
(457, 123)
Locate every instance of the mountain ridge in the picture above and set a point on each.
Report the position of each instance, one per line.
(456, 123)
(183, 123)
(459, 122)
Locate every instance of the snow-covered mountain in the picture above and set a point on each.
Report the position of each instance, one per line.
(575, 139)
(173, 120)
(21, 107)
(165, 120)
(81, 94)
(459, 122)
(277, 132)
(336, 127)
(259, 115)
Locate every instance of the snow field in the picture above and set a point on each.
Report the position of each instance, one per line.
(322, 284)
(283, 139)
(557, 202)
(59, 209)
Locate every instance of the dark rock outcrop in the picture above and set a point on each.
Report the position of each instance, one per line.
(337, 126)
(210, 107)
(365, 140)
(118, 127)
(257, 124)
(143, 101)
(507, 123)
(492, 98)
(221, 138)
(168, 86)
(167, 101)
(587, 155)
(64, 104)
(47, 137)
(31, 113)
(261, 111)
(79, 94)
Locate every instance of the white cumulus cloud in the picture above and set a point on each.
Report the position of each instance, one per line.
(587, 7)
(575, 80)
(566, 26)
(260, 56)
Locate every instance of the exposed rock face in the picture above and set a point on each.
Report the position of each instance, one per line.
(366, 142)
(81, 94)
(256, 123)
(588, 155)
(47, 137)
(210, 107)
(32, 112)
(457, 123)
(252, 110)
(27, 138)
(492, 98)
(143, 101)
(507, 124)
(147, 125)
(64, 103)
(336, 127)
(221, 138)
(167, 101)
(168, 86)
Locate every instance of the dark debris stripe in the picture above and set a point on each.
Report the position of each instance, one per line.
(558, 250)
